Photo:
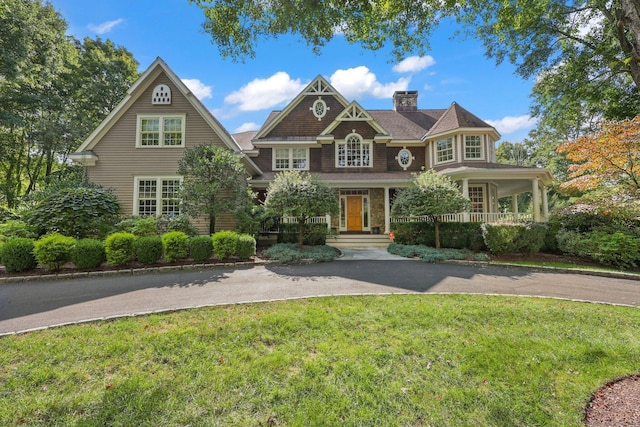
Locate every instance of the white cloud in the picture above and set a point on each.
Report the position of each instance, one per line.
(246, 127)
(509, 124)
(260, 94)
(105, 27)
(413, 64)
(359, 82)
(199, 89)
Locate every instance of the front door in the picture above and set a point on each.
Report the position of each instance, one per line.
(354, 213)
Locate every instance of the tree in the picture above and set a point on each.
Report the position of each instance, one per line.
(430, 194)
(608, 157)
(298, 194)
(215, 182)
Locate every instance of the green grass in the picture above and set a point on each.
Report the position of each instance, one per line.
(565, 265)
(440, 360)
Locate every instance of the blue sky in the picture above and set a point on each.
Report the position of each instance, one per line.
(241, 95)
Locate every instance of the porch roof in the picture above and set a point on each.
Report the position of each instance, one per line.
(348, 179)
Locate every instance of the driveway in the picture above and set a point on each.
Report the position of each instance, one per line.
(39, 304)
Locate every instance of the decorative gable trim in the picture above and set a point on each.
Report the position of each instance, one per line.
(318, 87)
(355, 113)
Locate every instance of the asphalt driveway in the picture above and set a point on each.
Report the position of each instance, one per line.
(40, 304)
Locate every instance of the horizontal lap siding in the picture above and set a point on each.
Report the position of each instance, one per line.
(119, 161)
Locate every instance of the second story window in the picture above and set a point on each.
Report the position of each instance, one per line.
(290, 158)
(444, 150)
(354, 152)
(160, 131)
(472, 147)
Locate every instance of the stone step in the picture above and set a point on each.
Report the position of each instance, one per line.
(354, 241)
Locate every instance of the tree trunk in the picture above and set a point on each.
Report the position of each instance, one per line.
(630, 19)
(212, 224)
(436, 226)
(301, 233)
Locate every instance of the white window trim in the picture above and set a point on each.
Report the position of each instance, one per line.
(136, 191)
(365, 216)
(362, 142)
(324, 108)
(290, 149)
(453, 151)
(161, 118)
(464, 148)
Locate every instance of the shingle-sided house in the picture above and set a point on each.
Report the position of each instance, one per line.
(365, 155)
(136, 149)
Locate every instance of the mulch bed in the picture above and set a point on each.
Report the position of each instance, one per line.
(616, 404)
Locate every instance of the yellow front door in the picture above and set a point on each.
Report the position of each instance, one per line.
(354, 213)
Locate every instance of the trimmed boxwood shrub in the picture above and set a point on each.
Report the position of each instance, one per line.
(88, 253)
(175, 245)
(246, 246)
(201, 248)
(53, 251)
(456, 235)
(508, 238)
(148, 249)
(17, 255)
(225, 244)
(119, 248)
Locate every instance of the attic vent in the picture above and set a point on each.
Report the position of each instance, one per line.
(161, 95)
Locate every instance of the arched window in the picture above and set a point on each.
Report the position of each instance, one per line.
(354, 152)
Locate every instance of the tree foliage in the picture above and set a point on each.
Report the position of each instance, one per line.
(299, 195)
(432, 195)
(215, 182)
(50, 98)
(608, 157)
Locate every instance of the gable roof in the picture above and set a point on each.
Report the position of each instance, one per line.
(318, 86)
(456, 117)
(139, 86)
(354, 112)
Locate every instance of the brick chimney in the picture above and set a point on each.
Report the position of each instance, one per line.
(406, 100)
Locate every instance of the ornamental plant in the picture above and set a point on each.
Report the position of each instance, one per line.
(175, 245)
(201, 248)
(88, 253)
(148, 249)
(119, 248)
(54, 251)
(225, 244)
(17, 255)
(246, 246)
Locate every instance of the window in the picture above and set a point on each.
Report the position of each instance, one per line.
(472, 147)
(290, 158)
(476, 196)
(444, 150)
(319, 108)
(354, 152)
(157, 196)
(404, 158)
(161, 131)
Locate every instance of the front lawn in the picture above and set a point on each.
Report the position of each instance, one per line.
(440, 360)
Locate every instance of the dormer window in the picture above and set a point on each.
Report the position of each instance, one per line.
(319, 108)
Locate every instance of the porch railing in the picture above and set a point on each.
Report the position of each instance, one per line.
(273, 226)
(491, 218)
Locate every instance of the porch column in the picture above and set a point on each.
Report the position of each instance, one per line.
(514, 207)
(465, 193)
(328, 219)
(545, 204)
(535, 195)
(387, 211)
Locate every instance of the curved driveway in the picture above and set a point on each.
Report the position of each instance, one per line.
(39, 304)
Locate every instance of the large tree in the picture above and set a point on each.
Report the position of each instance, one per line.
(608, 157)
(432, 195)
(299, 195)
(214, 182)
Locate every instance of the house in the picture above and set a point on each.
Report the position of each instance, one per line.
(136, 149)
(366, 155)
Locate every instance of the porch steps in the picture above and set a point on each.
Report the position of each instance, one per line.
(355, 241)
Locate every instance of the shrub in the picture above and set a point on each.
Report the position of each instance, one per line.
(507, 238)
(225, 244)
(119, 248)
(7, 214)
(178, 223)
(78, 212)
(290, 252)
(574, 243)
(314, 234)
(201, 248)
(433, 255)
(457, 235)
(17, 255)
(15, 228)
(148, 249)
(88, 253)
(618, 249)
(175, 245)
(246, 247)
(54, 251)
(139, 225)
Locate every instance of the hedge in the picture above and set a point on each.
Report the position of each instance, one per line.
(119, 248)
(201, 248)
(88, 253)
(455, 235)
(17, 255)
(314, 234)
(175, 245)
(148, 249)
(53, 251)
(225, 244)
